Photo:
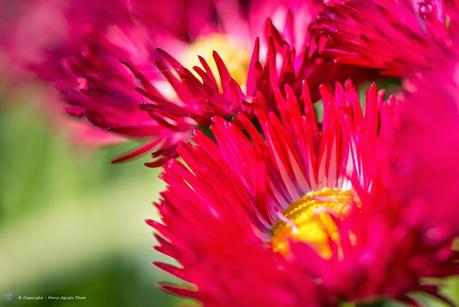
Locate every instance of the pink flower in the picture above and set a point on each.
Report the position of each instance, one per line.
(82, 52)
(398, 37)
(92, 69)
(305, 204)
(194, 96)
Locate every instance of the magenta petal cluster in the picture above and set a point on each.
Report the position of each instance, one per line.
(219, 211)
(103, 68)
(201, 93)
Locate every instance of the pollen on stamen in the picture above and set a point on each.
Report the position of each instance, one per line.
(311, 219)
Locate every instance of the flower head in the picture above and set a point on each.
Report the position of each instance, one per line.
(193, 96)
(300, 206)
(98, 69)
(87, 62)
(91, 71)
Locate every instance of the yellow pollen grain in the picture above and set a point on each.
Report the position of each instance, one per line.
(235, 56)
(311, 219)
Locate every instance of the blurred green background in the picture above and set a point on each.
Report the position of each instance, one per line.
(71, 223)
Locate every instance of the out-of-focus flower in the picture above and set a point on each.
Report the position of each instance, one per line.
(81, 54)
(196, 95)
(92, 69)
(88, 66)
(301, 207)
(400, 37)
(92, 74)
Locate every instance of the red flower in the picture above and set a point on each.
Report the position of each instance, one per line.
(82, 56)
(91, 74)
(199, 94)
(302, 206)
(90, 69)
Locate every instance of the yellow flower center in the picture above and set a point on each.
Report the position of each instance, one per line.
(235, 56)
(311, 219)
